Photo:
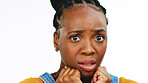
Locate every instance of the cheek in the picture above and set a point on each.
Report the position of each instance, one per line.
(68, 52)
(101, 49)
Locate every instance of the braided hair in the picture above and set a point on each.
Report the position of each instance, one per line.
(60, 5)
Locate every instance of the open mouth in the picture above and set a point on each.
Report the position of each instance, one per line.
(87, 65)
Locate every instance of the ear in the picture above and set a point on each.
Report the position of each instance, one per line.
(56, 41)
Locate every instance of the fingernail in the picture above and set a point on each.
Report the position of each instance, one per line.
(99, 67)
(65, 67)
(103, 67)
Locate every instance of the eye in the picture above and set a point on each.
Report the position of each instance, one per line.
(75, 38)
(99, 38)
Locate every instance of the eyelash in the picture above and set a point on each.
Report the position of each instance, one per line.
(73, 37)
(102, 38)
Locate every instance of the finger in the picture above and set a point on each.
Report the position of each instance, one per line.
(97, 74)
(67, 74)
(70, 72)
(105, 74)
(76, 73)
(92, 81)
(95, 78)
(101, 74)
(100, 70)
(109, 77)
(61, 73)
(66, 71)
(104, 69)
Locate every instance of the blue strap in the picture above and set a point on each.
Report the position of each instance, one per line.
(47, 78)
(114, 79)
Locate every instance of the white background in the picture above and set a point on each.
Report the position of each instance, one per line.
(26, 39)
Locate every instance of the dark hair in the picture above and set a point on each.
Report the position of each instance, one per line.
(59, 5)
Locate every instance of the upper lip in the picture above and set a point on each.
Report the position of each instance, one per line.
(87, 62)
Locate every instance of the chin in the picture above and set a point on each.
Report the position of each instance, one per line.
(86, 74)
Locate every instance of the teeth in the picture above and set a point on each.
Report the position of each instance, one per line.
(87, 64)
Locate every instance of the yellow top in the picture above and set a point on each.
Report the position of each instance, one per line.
(32, 80)
(38, 80)
(123, 80)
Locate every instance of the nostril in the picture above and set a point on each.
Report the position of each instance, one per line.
(83, 53)
(92, 53)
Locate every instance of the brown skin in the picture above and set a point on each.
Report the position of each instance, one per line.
(82, 45)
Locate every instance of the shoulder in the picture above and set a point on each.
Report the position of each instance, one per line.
(115, 79)
(124, 80)
(32, 80)
(44, 78)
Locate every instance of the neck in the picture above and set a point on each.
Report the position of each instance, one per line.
(56, 74)
(86, 79)
(83, 79)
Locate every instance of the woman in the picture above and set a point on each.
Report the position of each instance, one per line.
(81, 38)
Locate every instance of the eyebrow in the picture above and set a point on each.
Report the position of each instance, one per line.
(78, 31)
(81, 31)
(98, 31)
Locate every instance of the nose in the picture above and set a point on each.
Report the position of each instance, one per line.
(87, 49)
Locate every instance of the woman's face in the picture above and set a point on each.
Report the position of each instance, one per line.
(83, 39)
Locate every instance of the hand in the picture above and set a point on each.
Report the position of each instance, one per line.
(101, 76)
(69, 75)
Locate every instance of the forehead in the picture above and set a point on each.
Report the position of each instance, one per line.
(84, 18)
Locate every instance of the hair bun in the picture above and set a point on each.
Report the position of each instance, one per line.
(56, 4)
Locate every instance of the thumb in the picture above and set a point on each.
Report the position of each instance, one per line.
(96, 75)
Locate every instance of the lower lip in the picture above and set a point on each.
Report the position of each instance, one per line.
(87, 67)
